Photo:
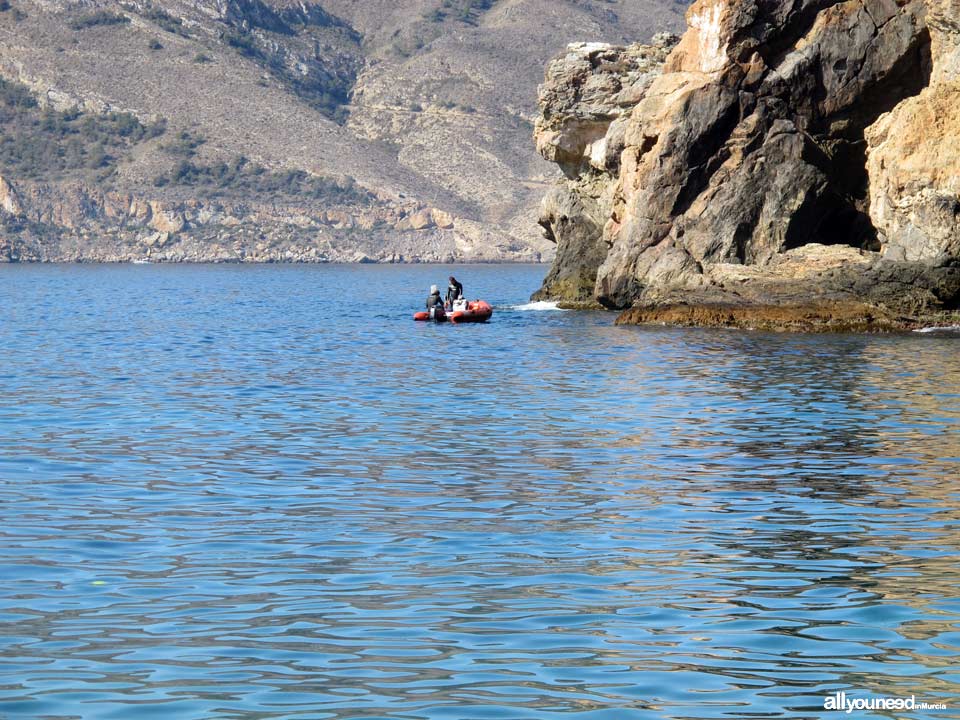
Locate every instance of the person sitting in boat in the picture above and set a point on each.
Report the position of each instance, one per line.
(434, 301)
(454, 291)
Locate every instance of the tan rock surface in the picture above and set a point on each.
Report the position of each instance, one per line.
(914, 156)
(9, 200)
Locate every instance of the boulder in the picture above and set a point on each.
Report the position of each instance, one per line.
(157, 240)
(421, 220)
(165, 219)
(442, 219)
(139, 210)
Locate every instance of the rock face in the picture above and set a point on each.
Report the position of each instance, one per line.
(796, 153)
(78, 223)
(914, 158)
(585, 106)
(9, 201)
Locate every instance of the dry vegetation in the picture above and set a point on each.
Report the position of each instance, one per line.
(42, 143)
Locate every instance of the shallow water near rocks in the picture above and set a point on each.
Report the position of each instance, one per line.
(251, 492)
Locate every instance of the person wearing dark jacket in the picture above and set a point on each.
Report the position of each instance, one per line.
(454, 291)
(434, 301)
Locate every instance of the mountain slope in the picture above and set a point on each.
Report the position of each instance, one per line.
(425, 104)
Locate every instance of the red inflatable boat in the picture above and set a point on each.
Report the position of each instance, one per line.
(476, 311)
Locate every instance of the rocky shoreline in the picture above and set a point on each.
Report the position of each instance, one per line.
(791, 167)
(811, 318)
(78, 223)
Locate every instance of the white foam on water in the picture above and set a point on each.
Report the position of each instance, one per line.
(540, 305)
(939, 328)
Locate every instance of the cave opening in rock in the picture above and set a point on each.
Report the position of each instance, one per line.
(841, 215)
(832, 220)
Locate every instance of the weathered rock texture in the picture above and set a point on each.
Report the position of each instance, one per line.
(787, 154)
(585, 108)
(73, 222)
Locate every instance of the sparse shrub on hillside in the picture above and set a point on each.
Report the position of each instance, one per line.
(466, 11)
(259, 14)
(244, 44)
(329, 102)
(337, 113)
(166, 21)
(240, 176)
(15, 12)
(156, 129)
(185, 144)
(408, 41)
(326, 96)
(101, 17)
(14, 97)
(202, 58)
(155, 45)
(97, 157)
(13, 226)
(43, 143)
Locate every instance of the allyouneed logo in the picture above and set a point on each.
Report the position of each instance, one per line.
(840, 701)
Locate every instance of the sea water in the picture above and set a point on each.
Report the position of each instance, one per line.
(251, 492)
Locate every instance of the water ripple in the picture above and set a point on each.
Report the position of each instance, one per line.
(264, 492)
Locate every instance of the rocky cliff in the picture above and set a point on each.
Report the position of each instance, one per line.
(79, 223)
(791, 163)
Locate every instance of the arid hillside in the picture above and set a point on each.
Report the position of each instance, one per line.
(281, 130)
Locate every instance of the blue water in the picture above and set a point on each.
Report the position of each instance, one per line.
(252, 492)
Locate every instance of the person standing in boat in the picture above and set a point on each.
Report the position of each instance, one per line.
(434, 301)
(454, 291)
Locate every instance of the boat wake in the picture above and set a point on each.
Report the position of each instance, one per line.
(540, 305)
(940, 329)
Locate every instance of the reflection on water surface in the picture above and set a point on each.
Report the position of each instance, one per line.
(265, 492)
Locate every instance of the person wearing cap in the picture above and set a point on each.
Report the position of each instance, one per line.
(454, 291)
(434, 301)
